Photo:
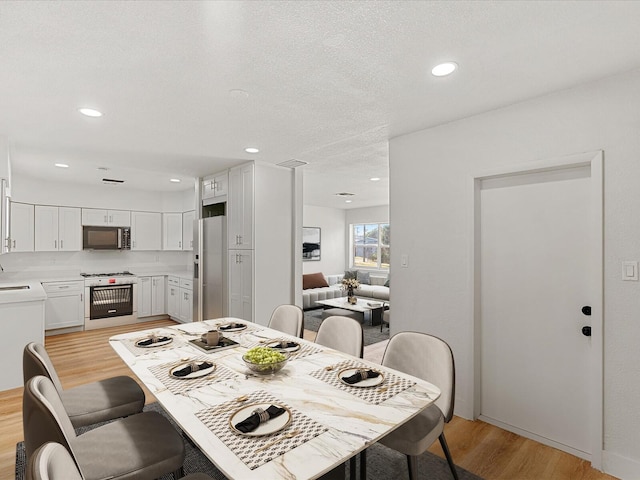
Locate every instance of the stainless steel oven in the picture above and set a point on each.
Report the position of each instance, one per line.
(110, 299)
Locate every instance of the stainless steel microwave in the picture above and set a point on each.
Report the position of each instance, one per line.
(106, 238)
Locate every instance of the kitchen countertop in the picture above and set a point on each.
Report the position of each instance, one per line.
(74, 275)
(35, 292)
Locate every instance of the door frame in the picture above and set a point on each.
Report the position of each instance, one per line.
(595, 161)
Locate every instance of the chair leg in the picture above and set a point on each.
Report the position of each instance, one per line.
(447, 453)
(412, 463)
(363, 464)
(178, 473)
(352, 467)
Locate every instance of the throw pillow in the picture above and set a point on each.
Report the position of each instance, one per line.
(363, 277)
(314, 280)
(350, 274)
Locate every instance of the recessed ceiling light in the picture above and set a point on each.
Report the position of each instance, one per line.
(175, 180)
(444, 69)
(61, 165)
(375, 179)
(90, 112)
(348, 201)
(251, 150)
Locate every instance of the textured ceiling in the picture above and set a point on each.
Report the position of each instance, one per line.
(327, 82)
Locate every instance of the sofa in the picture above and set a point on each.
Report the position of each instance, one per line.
(317, 286)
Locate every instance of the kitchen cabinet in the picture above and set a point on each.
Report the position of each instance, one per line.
(173, 297)
(187, 229)
(146, 231)
(57, 229)
(4, 215)
(21, 227)
(64, 306)
(109, 218)
(240, 207)
(180, 299)
(215, 186)
(240, 272)
(172, 231)
(151, 296)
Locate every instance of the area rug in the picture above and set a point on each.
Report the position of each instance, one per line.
(382, 463)
(372, 334)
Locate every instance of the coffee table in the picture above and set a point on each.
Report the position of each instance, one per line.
(371, 309)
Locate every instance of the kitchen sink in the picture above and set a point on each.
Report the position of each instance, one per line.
(15, 287)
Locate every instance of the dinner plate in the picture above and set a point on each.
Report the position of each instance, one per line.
(267, 428)
(369, 382)
(239, 326)
(275, 343)
(152, 345)
(198, 374)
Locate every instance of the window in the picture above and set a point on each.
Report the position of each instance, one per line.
(370, 245)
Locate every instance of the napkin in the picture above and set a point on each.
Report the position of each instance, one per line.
(257, 417)
(361, 375)
(229, 326)
(284, 345)
(183, 372)
(152, 340)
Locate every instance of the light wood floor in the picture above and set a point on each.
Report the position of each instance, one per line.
(483, 449)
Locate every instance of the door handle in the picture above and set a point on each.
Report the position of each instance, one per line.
(586, 310)
(586, 331)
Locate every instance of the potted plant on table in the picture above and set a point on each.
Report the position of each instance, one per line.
(350, 284)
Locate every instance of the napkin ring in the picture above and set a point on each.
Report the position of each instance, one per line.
(363, 374)
(154, 338)
(194, 366)
(262, 414)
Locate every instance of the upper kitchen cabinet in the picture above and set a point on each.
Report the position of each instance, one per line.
(187, 229)
(172, 231)
(215, 186)
(57, 229)
(111, 218)
(146, 231)
(21, 228)
(240, 207)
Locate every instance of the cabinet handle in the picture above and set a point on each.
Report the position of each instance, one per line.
(14, 244)
(105, 219)
(110, 218)
(61, 244)
(179, 244)
(81, 297)
(191, 243)
(55, 244)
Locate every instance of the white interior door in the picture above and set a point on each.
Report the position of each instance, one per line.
(536, 276)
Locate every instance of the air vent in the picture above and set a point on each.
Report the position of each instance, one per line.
(293, 163)
(112, 181)
(344, 194)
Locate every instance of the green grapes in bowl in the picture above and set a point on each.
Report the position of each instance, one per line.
(264, 360)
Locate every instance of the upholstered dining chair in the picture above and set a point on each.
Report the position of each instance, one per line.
(288, 319)
(52, 461)
(431, 359)
(341, 333)
(144, 445)
(87, 404)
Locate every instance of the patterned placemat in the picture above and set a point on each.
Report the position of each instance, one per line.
(178, 386)
(137, 351)
(391, 386)
(305, 349)
(246, 448)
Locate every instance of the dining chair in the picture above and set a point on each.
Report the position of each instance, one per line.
(91, 403)
(144, 445)
(342, 333)
(52, 461)
(288, 319)
(431, 359)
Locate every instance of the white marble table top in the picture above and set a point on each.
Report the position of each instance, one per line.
(362, 305)
(352, 422)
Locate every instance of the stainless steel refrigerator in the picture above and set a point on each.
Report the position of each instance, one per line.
(210, 268)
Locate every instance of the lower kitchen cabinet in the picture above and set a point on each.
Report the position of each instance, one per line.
(64, 306)
(151, 296)
(240, 272)
(180, 299)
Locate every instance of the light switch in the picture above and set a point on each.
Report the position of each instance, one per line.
(404, 260)
(630, 271)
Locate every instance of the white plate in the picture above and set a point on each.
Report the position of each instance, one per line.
(369, 382)
(152, 345)
(240, 326)
(274, 343)
(198, 374)
(272, 426)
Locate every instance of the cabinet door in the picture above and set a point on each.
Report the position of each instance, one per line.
(187, 229)
(46, 228)
(240, 207)
(119, 218)
(221, 184)
(94, 216)
(172, 231)
(240, 271)
(186, 305)
(158, 295)
(146, 231)
(63, 311)
(21, 228)
(144, 296)
(69, 229)
(173, 301)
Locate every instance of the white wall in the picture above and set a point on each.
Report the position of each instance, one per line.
(332, 239)
(369, 214)
(431, 221)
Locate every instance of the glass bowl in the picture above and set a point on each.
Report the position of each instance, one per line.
(266, 368)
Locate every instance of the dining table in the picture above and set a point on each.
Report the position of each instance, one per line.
(323, 421)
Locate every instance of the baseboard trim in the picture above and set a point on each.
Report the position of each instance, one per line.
(619, 466)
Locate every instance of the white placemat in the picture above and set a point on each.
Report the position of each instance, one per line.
(178, 385)
(130, 343)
